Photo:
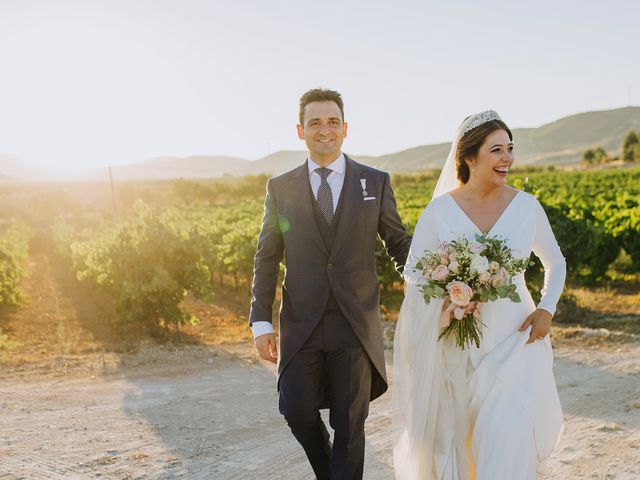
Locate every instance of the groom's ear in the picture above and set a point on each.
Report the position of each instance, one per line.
(345, 127)
(300, 129)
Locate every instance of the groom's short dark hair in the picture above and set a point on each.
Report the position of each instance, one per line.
(320, 95)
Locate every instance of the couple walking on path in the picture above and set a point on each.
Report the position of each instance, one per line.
(489, 411)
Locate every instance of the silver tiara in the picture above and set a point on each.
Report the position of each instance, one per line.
(478, 119)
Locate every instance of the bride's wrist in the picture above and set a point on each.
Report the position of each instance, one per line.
(546, 312)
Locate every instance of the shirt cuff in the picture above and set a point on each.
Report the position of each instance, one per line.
(261, 328)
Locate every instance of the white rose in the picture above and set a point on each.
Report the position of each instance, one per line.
(453, 266)
(479, 263)
(493, 267)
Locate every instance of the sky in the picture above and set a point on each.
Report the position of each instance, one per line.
(87, 83)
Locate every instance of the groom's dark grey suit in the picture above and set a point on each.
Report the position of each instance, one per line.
(330, 296)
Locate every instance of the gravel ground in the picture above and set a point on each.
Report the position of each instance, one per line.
(212, 414)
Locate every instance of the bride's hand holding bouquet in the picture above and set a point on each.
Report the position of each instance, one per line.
(467, 274)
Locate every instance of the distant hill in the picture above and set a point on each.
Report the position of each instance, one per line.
(564, 140)
(560, 142)
(164, 168)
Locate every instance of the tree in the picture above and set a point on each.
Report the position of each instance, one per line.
(631, 147)
(589, 157)
(601, 156)
(594, 156)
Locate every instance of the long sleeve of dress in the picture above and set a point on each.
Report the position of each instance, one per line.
(425, 237)
(546, 248)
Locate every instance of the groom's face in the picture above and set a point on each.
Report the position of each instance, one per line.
(323, 131)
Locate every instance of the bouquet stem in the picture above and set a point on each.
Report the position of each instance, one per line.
(466, 331)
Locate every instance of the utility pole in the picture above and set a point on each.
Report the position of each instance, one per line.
(113, 190)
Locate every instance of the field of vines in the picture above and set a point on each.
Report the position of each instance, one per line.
(595, 215)
(14, 252)
(149, 257)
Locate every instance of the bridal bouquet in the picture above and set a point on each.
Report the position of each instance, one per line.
(467, 273)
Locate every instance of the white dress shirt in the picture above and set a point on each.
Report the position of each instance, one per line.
(335, 180)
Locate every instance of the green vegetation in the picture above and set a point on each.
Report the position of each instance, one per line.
(5, 343)
(14, 251)
(190, 236)
(148, 263)
(595, 156)
(631, 147)
(594, 214)
(630, 151)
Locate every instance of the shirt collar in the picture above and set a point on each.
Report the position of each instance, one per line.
(337, 166)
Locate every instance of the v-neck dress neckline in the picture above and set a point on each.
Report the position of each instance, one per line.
(502, 214)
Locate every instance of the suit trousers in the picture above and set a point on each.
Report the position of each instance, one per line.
(331, 364)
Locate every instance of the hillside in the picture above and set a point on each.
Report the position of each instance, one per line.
(555, 143)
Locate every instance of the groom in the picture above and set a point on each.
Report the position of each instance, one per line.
(324, 217)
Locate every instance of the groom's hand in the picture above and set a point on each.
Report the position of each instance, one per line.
(267, 347)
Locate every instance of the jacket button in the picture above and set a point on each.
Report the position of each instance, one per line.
(330, 266)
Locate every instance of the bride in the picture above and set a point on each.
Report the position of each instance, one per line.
(490, 412)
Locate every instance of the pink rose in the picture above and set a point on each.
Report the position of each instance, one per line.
(454, 266)
(440, 273)
(477, 247)
(484, 277)
(460, 293)
(500, 278)
(444, 258)
(472, 309)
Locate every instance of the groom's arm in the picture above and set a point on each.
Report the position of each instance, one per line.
(395, 237)
(266, 267)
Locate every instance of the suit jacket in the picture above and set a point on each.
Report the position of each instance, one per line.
(348, 270)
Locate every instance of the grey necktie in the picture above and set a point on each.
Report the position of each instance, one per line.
(325, 198)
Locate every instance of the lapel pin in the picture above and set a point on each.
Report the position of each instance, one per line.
(363, 182)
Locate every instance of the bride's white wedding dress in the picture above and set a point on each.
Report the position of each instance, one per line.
(488, 413)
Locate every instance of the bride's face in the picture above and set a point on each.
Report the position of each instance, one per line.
(494, 159)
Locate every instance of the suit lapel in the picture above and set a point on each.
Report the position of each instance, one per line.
(302, 196)
(352, 201)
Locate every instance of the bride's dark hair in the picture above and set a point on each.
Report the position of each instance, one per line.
(471, 142)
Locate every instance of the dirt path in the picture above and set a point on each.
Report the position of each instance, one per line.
(69, 411)
(212, 414)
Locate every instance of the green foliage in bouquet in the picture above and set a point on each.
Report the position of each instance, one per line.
(469, 273)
